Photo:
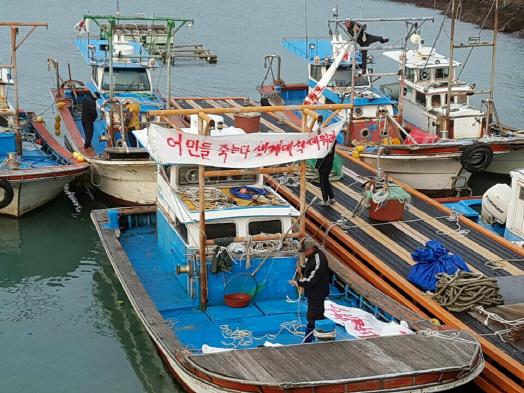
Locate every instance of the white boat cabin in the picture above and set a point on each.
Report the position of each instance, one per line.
(426, 94)
(227, 214)
(515, 220)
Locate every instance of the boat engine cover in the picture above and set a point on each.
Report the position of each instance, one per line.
(495, 204)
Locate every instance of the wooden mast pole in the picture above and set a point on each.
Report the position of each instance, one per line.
(14, 48)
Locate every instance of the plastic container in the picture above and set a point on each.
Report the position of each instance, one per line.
(249, 122)
(237, 300)
(393, 210)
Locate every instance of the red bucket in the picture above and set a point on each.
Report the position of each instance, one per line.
(237, 300)
(392, 211)
(249, 122)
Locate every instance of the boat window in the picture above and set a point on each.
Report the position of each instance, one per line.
(420, 98)
(224, 229)
(343, 77)
(265, 226)
(410, 74)
(188, 176)
(461, 99)
(435, 100)
(316, 72)
(94, 75)
(521, 193)
(127, 79)
(442, 73)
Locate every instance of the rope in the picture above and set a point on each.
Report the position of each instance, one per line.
(497, 264)
(454, 217)
(464, 291)
(513, 327)
(214, 198)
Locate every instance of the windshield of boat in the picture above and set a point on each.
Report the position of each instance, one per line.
(342, 78)
(127, 79)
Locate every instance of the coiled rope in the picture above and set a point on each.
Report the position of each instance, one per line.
(464, 291)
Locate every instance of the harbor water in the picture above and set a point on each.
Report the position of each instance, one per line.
(65, 323)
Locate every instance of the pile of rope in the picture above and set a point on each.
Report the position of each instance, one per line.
(215, 199)
(514, 327)
(464, 291)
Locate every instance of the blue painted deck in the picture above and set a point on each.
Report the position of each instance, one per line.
(265, 317)
(308, 49)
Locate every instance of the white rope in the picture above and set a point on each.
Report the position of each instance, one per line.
(512, 327)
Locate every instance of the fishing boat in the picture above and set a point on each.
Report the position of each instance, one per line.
(234, 322)
(34, 168)
(121, 72)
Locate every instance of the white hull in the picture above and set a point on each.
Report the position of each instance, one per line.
(428, 173)
(131, 182)
(504, 163)
(30, 194)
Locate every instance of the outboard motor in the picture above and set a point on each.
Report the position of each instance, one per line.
(495, 204)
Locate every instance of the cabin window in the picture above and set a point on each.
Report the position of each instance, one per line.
(128, 79)
(94, 75)
(266, 226)
(188, 176)
(420, 98)
(521, 193)
(442, 73)
(224, 229)
(435, 100)
(410, 74)
(316, 72)
(461, 99)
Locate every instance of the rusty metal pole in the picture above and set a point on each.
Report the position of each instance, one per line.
(302, 200)
(451, 71)
(202, 224)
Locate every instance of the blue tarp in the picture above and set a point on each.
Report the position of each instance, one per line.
(433, 259)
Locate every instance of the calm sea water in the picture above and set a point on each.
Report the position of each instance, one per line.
(65, 324)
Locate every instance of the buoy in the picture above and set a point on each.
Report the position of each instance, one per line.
(435, 321)
(60, 104)
(39, 141)
(355, 154)
(58, 118)
(57, 125)
(76, 154)
(80, 158)
(360, 148)
(39, 119)
(57, 132)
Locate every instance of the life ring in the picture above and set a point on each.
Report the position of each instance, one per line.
(8, 194)
(477, 157)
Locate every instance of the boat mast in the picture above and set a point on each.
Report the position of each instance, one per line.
(451, 70)
(14, 47)
(494, 53)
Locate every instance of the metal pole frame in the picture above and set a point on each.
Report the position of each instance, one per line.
(14, 47)
(451, 70)
(202, 174)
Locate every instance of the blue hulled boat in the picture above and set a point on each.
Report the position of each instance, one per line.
(207, 272)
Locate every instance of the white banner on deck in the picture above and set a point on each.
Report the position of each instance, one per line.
(169, 146)
(360, 323)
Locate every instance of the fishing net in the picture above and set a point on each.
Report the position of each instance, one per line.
(336, 172)
(392, 192)
(242, 283)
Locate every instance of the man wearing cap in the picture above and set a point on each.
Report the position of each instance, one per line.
(314, 278)
(89, 116)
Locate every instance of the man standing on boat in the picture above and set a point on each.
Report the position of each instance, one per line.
(132, 121)
(89, 116)
(314, 278)
(363, 39)
(324, 167)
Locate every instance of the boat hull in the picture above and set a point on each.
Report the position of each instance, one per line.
(128, 182)
(505, 163)
(429, 174)
(31, 194)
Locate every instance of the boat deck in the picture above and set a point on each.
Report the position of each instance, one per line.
(385, 249)
(339, 360)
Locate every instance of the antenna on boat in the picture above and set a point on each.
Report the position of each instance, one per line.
(118, 7)
(305, 20)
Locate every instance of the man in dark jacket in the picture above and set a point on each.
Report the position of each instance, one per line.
(363, 39)
(314, 278)
(324, 166)
(89, 116)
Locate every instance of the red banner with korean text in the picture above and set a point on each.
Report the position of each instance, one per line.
(169, 146)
